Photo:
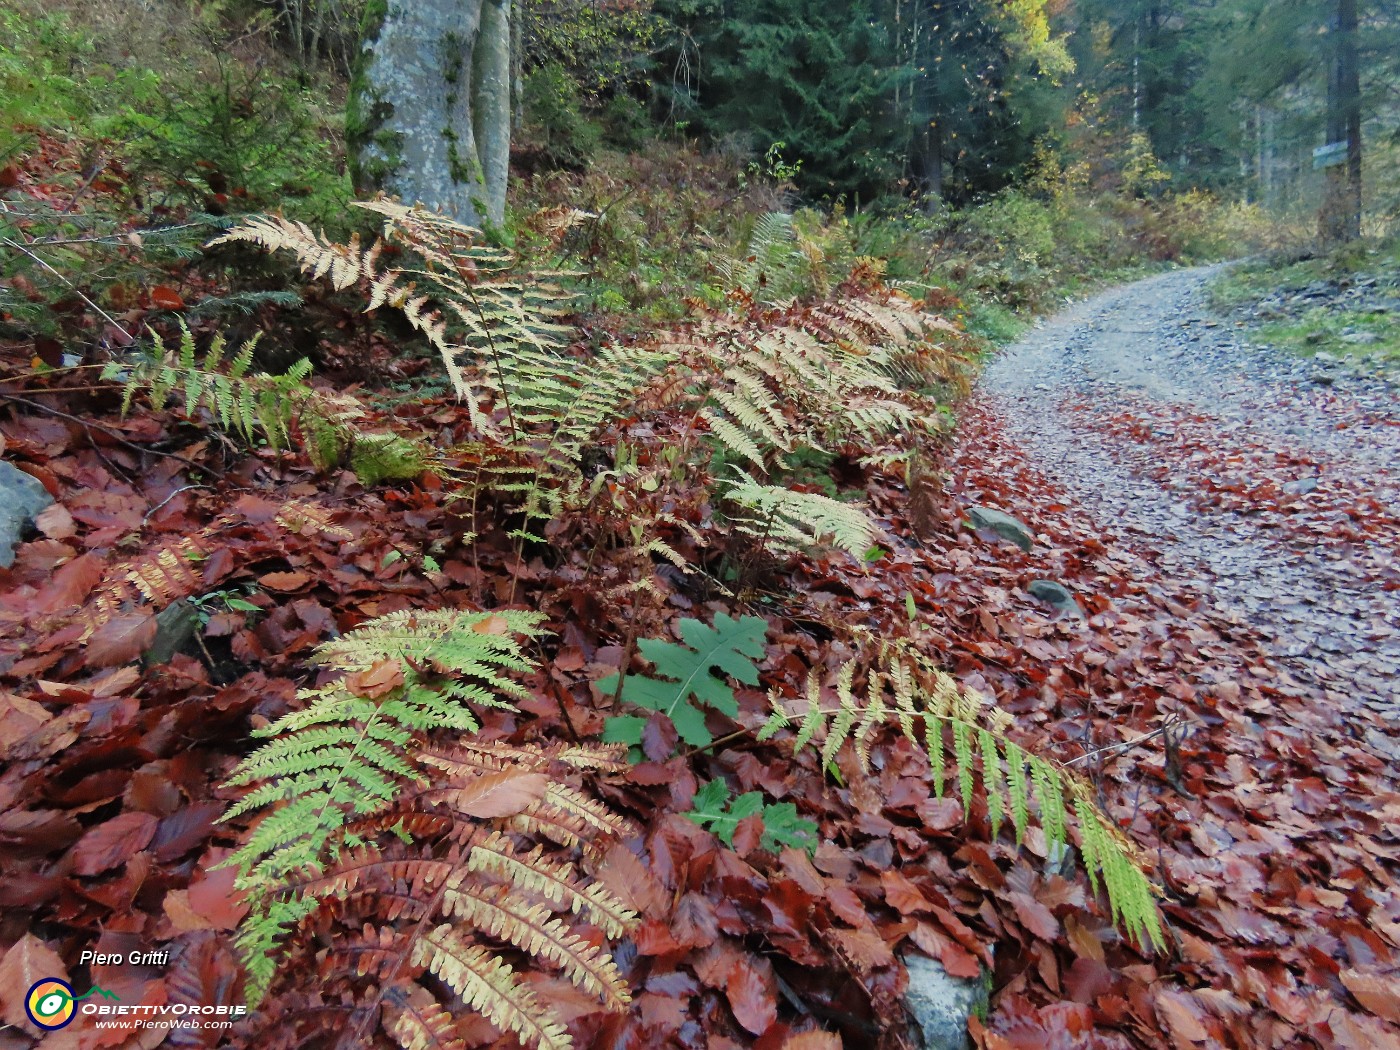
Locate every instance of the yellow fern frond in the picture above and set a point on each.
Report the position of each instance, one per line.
(498, 911)
(317, 255)
(490, 986)
(555, 882)
(305, 518)
(421, 1023)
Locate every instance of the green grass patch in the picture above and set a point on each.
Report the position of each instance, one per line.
(1355, 335)
(1332, 320)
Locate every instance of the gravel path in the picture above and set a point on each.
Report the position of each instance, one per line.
(1269, 482)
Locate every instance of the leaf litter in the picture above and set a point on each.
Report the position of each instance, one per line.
(1271, 815)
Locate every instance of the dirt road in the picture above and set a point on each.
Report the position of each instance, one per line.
(1271, 484)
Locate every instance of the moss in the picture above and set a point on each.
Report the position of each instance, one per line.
(374, 152)
(1262, 293)
(1360, 336)
(454, 47)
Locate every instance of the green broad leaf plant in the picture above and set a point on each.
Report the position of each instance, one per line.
(685, 676)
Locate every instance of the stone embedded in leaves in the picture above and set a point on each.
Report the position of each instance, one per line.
(175, 626)
(22, 497)
(1056, 595)
(941, 1004)
(730, 646)
(1004, 525)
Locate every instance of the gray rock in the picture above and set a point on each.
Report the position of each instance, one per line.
(1056, 595)
(1059, 860)
(22, 498)
(1004, 525)
(1300, 487)
(941, 1004)
(175, 626)
(1361, 338)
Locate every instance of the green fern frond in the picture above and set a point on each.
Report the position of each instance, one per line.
(347, 755)
(369, 822)
(1011, 778)
(245, 404)
(770, 266)
(788, 520)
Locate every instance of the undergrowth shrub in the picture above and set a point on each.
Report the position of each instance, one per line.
(320, 30)
(645, 206)
(73, 267)
(238, 139)
(157, 99)
(839, 375)
(556, 129)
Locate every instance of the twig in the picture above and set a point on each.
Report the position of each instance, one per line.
(99, 166)
(184, 488)
(114, 435)
(115, 238)
(1164, 728)
(76, 290)
(701, 748)
(559, 699)
(626, 662)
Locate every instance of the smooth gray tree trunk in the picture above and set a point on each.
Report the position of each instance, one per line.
(491, 103)
(429, 111)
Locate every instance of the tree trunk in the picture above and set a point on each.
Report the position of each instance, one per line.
(491, 104)
(1340, 218)
(428, 118)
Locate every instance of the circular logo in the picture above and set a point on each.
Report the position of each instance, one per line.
(50, 1003)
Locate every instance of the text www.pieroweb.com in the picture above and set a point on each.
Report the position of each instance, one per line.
(177, 1015)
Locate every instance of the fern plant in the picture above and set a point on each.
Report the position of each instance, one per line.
(685, 671)
(497, 332)
(494, 315)
(827, 376)
(904, 690)
(347, 753)
(777, 262)
(247, 404)
(787, 520)
(405, 855)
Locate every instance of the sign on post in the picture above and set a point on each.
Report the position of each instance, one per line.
(1330, 155)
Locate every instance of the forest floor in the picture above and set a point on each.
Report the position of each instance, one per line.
(1226, 525)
